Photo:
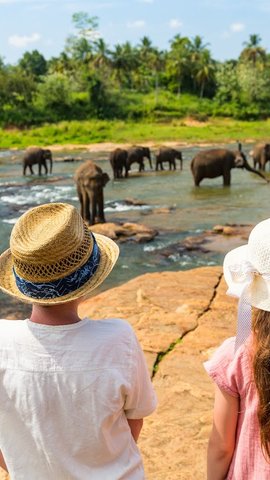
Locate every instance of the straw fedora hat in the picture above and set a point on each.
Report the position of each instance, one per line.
(53, 257)
(247, 268)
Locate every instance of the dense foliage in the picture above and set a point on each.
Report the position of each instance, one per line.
(88, 80)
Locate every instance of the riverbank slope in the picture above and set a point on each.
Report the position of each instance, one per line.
(184, 131)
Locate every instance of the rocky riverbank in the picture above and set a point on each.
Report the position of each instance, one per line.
(179, 318)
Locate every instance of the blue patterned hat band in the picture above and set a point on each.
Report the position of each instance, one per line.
(63, 286)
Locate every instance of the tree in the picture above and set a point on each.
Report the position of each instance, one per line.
(202, 65)
(54, 94)
(33, 63)
(179, 60)
(125, 61)
(101, 56)
(253, 52)
(204, 71)
(80, 46)
(227, 83)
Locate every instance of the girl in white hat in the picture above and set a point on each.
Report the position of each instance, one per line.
(73, 393)
(239, 444)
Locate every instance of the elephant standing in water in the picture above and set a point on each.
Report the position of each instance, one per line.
(136, 155)
(118, 161)
(168, 155)
(90, 181)
(260, 155)
(218, 162)
(38, 156)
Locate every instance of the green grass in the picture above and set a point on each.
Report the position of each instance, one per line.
(97, 131)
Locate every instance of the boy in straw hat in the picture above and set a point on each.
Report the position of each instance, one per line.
(239, 444)
(73, 393)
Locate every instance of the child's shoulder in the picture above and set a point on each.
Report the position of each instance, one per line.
(116, 325)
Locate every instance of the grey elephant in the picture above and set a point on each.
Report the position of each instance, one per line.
(168, 155)
(260, 155)
(90, 181)
(118, 161)
(137, 155)
(218, 162)
(35, 155)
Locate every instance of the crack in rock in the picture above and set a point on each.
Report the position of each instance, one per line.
(171, 347)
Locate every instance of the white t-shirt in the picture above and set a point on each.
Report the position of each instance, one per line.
(65, 395)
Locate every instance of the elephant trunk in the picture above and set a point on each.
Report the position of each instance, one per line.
(51, 162)
(250, 169)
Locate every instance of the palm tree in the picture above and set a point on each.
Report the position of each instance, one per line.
(179, 59)
(253, 52)
(124, 62)
(202, 65)
(205, 71)
(101, 54)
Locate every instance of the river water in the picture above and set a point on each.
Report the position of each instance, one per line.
(193, 210)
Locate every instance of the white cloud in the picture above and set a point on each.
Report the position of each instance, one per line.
(23, 40)
(175, 23)
(237, 27)
(136, 24)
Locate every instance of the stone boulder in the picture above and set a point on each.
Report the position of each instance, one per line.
(125, 232)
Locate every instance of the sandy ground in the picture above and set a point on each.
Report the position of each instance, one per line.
(109, 146)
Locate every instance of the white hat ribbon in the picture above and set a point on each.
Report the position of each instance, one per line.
(243, 274)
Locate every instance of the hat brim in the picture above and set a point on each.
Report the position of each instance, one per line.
(109, 252)
(237, 256)
(257, 291)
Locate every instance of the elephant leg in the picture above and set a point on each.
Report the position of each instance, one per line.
(24, 169)
(31, 169)
(227, 178)
(100, 206)
(39, 168)
(86, 207)
(45, 167)
(93, 206)
(197, 179)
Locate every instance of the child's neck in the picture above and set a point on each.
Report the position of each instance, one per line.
(62, 314)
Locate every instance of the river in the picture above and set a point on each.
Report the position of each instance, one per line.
(193, 210)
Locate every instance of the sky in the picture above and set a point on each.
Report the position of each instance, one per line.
(26, 25)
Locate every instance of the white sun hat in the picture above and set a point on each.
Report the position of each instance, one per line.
(247, 274)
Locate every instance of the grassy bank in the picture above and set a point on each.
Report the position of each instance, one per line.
(186, 131)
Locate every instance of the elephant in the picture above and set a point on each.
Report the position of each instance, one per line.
(219, 162)
(168, 155)
(40, 156)
(118, 161)
(136, 155)
(90, 181)
(260, 155)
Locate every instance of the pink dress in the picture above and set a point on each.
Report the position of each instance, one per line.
(232, 373)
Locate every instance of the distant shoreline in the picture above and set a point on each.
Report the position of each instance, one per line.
(109, 146)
